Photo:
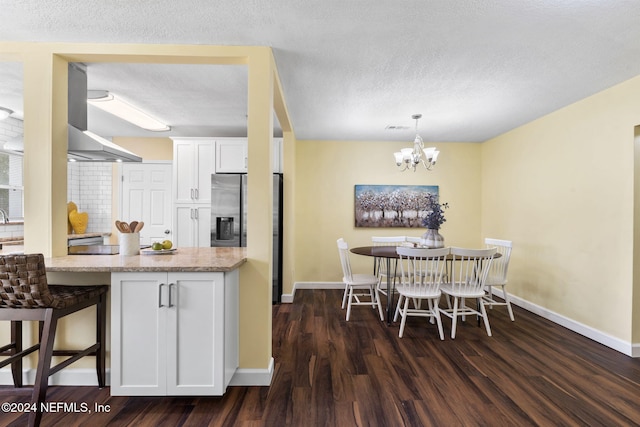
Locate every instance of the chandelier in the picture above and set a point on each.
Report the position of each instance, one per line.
(411, 157)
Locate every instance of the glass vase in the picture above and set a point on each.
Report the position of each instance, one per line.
(432, 239)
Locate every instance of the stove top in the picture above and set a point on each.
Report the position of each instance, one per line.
(97, 249)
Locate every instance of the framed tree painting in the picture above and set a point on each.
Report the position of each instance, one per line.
(392, 205)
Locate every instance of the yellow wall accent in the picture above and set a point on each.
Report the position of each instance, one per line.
(255, 291)
(561, 188)
(289, 213)
(147, 148)
(324, 192)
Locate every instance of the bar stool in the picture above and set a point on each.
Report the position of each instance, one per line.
(25, 295)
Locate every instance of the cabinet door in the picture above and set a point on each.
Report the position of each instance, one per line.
(183, 171)
(195, 327)
(204, 163)
(193, 161)
(231, 156)
(138, 334)
(184, 235)
(193, 226)
(203, 227)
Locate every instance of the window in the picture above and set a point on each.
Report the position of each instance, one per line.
(11, 186)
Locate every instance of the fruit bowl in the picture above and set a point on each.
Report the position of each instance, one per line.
(158, 251)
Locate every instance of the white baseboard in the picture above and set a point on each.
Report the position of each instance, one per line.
(253, 377)
(87, 377)
(605, 339)
(288, 298)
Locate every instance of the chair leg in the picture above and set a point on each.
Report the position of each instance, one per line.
(377, 295)
(433, 306)
(454, 317)
(44, 366)
(405, 309)
(344, 295)
(484, 316)
(397, 312)
(16, 339)
(349, 302)
(505, 295)
(101, 326)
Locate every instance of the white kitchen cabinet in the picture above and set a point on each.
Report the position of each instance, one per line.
(193, 226)
(173, 333)
(232, 155)
(193, 164)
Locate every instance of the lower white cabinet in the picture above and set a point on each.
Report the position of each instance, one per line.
(173, 333)
(192, 226)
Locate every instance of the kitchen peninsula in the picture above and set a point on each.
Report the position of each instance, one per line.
(174, 318)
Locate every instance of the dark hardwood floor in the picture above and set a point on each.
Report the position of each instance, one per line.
(329, 372)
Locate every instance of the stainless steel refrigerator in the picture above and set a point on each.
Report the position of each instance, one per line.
(229, 218)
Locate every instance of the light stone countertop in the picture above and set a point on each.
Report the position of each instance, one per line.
(183, 259)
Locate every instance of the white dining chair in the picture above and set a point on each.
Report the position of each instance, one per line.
(421, 271)
(498, 274)
(357, 286)
(466, 280)
(380, 265)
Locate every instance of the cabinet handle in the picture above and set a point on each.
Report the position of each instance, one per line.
(160, 295)
(197, 213)
(171, 285)
(197, 194)
(192, 194)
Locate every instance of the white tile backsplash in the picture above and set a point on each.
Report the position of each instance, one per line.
(89, 187)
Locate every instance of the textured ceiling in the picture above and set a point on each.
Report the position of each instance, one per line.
(349, 68)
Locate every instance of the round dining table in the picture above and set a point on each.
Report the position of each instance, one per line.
(390, 256)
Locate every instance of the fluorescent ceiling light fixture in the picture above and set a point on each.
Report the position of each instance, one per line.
(111, 104)
(5, 112)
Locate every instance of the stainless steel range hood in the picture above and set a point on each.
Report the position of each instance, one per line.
(85, 146)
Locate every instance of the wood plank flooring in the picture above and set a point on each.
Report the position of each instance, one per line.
(329, 372)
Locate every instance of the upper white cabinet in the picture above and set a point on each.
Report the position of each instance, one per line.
(231, 155)
(193, 160)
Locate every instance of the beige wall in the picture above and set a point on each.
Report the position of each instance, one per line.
(561, 188)
(148, 148)
(327, 172)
